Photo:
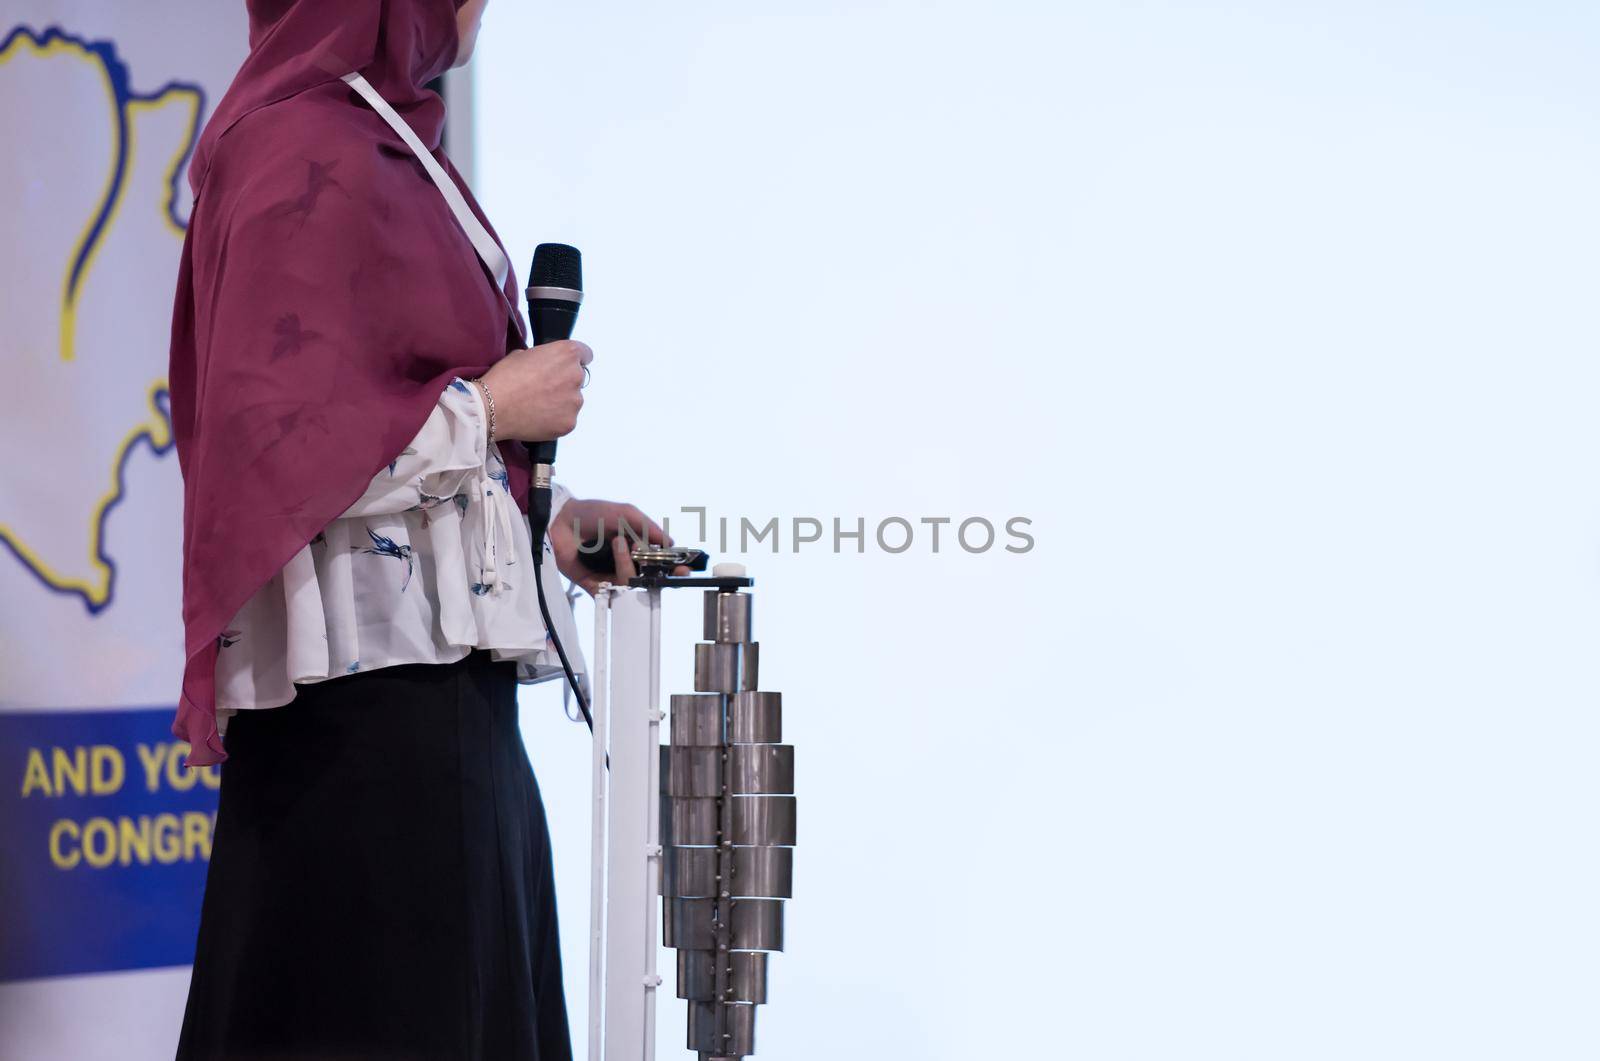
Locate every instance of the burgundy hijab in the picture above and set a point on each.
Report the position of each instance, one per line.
(326, 296)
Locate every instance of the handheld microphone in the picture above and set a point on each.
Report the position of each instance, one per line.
(555, 291)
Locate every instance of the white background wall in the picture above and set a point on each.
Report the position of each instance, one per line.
(1277, 320)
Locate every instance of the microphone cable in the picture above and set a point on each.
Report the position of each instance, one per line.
(555, 639)
(538, 529)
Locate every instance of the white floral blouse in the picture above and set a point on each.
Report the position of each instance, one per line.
(432, 562)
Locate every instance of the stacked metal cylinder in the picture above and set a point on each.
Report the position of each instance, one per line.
(728, 830)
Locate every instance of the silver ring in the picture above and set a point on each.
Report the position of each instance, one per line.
(585, 382)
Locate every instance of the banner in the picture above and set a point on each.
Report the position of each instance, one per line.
(105, 846)
(104, 836)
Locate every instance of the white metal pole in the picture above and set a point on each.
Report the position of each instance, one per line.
(629, 882)
(652, 809)
(599, 711)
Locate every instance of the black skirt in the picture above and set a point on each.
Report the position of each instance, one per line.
(380, 882)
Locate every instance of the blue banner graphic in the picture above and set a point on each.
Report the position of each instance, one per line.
(104, 842)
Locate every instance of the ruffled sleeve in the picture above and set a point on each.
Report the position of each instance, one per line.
(434, 559)
(445, 457)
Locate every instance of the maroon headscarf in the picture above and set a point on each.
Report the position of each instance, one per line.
(326, 297)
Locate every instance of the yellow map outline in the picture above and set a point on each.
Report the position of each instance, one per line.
(96, 589)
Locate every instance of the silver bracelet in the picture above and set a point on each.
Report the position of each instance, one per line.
(488, 400)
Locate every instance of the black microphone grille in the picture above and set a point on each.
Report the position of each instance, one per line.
(556, 265)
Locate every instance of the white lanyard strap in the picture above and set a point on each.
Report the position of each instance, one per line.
(488, 250)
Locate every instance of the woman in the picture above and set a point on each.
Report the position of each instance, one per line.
(358, 583)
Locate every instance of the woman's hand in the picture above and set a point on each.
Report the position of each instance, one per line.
(585, 520)
(538, 392)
